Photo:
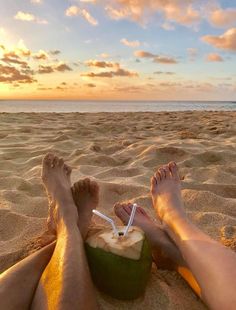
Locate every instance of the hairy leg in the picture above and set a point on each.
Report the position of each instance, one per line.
(212, 264)
(166, 254)
(85, 195)
(65, 282)
(31, 268)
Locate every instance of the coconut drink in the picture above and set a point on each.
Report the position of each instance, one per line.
(120, 261)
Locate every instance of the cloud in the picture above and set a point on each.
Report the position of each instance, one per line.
(14, 56)
(165, 60)
(156, 58)
(45, 69)
(175, 11)
(226, 41)
(143, 54)
(76, 11)
(61, 67)
(101, 64)
(104, 55)
(110, 74)
(130, 43)
(223, 18)
(55, 52)
(9, 74)
(164, 72)
(13, 60)
(91, 85)
(214, 58)
(41, 55)
(28, 17)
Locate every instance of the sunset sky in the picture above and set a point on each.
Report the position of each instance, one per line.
(118, 49)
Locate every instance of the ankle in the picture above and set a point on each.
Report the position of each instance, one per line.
(66, 225)
(174, 219)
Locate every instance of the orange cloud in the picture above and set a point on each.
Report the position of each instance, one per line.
(10, 74)
(130, 43)
(45, 69)
(110, 74)
(28, 17)
(61, 67)
(156, 58)
(223, 18)
(40, 55)
(225, 41)
(214, 58)
(143, 54)
(91, 85)
(76, 11)
(101, 64)
(178, 11)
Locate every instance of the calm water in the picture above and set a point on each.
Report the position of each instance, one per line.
(114, 106)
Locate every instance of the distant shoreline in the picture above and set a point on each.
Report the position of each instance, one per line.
(65, 106)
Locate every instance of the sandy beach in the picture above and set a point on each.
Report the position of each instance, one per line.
(120, 151)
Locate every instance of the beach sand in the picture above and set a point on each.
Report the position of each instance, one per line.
(121, 151)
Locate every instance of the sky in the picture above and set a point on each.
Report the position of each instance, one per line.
(118, 49)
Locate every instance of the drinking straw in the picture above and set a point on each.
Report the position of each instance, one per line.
(131, 219)
(108, 219)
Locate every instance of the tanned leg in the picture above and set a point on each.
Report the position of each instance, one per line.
(65, 282)
(23, 277)
(18, 283)
(212, 264)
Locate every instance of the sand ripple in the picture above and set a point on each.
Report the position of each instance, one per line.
(121, 151)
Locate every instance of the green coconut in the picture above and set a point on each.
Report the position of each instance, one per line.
(120, 266)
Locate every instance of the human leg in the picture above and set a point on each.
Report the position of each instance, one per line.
(65, 282)
(212, 264)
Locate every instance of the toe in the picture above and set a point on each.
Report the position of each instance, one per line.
(174, 170)
(61, 162)
(68, 169)
(167, 172)
(86, 184)
(79, 186)
(153, 183)
(55, 161)
(162, 174)
(128, 208)
(94, 188)
(47, 160)
(158, 177)
(121, 213)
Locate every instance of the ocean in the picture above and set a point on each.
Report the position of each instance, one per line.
(16, 106)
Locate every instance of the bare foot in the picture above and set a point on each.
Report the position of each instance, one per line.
(86, 196)
(165, 253)
(56, 179)
(166, 193)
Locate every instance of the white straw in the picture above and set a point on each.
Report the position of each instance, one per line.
(131, 219)
(108, 219)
